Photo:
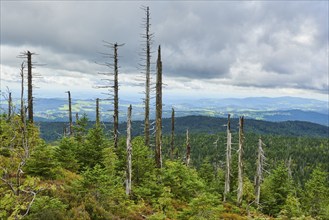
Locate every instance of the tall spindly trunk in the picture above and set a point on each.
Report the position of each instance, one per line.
(240, 162)
(29, 87)
(147, 36)
(259, 171)
(228, 158)
(188, 149)
(129, 153)
(70, 114)
(172, 141)
(116, 97)
(158, 131)
(97, 112)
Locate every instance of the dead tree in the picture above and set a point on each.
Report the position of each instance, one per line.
(10, 105)
(29, 87)
(240, 162)
(22, 92)
(188, 149)
(70, 114)
(147, 50)
(97, 112)
(158, 121)
(129, 152)
(172, 141)
(30, 65)
(228, 157)
(116, 97)
(259, 170)
(113, 89)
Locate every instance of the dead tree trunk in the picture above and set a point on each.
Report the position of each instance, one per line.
(240, 162)
(148, 37)
(188, 149)
(10, 104)
(113, 89)
(228, 158)
(158, 122)
(259, 171)
(97, 113)
(29, 87)
(172, 141)
(129, 152)
(116, 97)
(70, 114)
(22, 92)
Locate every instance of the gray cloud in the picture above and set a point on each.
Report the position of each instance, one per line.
(262, 44)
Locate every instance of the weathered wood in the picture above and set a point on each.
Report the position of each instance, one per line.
(147, 79)
(158, 122)
(70, 114)
(259, 171)
(29, 87)
(116, 98)
(10, 105)
(188, 149)
(129, 153)
(172, 140)
(228, 158)
(240, 162)
(22, 92)
(97, 112)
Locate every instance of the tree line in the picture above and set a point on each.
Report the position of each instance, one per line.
(88, 176)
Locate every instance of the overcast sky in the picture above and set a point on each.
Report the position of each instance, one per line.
(209, 48)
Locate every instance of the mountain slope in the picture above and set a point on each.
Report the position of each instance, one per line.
(51, 131)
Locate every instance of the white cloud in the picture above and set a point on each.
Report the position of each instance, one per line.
(249, 46)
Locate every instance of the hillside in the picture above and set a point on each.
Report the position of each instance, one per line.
(51, 131)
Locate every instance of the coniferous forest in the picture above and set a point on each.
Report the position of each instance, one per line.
(165, 171)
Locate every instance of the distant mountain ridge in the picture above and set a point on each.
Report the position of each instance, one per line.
(51, 131)
(260, 108)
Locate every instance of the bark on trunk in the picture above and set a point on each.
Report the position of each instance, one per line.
(228, 157)
(158, 131)
(116, 97)
(147, 83)
(29, 87)
(240, 162)
(172, 141)
(129, 152)
(188, 149)
(22, 93)
(97, 112)
(10, 104)
(259, 171)
(70, 114)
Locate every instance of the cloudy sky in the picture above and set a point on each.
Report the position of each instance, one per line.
(209, 48)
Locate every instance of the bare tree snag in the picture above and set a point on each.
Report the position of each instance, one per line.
(188, 149)
(240, 162)
(158, 122)
(10, 105)
(116, 97)
(228, 157)
(29, 87)
(97, 112)
(172, 141)
(22, 92)
(70, 114)
(114, 88)
(259, 171)
(148, 38)
(129, 153)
